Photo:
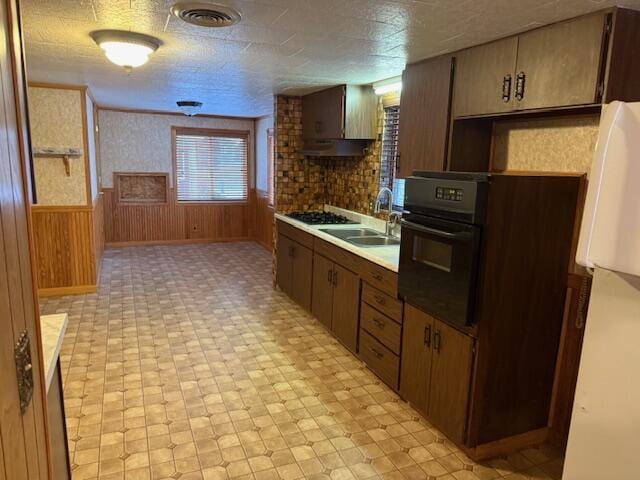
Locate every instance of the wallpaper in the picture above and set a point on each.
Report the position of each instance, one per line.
(56, 121)
(549, 145)
(141, 142)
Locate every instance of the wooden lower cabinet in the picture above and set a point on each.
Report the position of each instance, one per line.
(437, 362)
(336, 299)
(451, 367)
(294, 269)
(346, 300)
(322, 290)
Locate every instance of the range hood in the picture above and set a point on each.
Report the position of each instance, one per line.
(335, 148)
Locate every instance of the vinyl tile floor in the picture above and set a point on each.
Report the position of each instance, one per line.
(187, 364)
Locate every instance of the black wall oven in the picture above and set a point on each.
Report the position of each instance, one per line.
(441, 240)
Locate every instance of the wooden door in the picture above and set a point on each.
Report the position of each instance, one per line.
(561, 63)
(346, 303)
(424, 116)
(417, 341)
(323, 114)
(450, 380)
(481, 73)
(322, 289)
(301, 275)
(284, 264)
(24, 449)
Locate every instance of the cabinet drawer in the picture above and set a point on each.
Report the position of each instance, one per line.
(380, 278)
(380, 359)
(303, 238)
(386, 331)
(390, 306)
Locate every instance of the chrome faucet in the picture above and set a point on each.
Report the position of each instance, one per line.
(383, 190)
(392, 217)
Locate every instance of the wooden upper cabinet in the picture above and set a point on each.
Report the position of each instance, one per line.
(340, 113)
(560, 65)
(424, 115)
(451, 368)
(482, 78)
(323, 114)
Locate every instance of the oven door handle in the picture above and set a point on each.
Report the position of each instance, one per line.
(434, 231)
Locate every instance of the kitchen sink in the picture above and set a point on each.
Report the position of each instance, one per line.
(350, 232)
(362, 237)
(377, 241)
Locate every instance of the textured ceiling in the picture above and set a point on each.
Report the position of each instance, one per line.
(281, 46)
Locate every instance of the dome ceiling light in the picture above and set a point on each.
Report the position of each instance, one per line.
(127, 49)
(189, 107)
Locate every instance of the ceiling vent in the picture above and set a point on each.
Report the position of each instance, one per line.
(206, 14)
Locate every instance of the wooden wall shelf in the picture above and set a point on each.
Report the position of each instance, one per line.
(64, 153)
(141, 188)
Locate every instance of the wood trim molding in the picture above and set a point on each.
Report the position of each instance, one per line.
(507, 445)
(75, 290)
(59, 86)
(186, 241)
(164, 112)
(61, 208)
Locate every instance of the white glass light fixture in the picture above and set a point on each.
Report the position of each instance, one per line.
(189, 107)
(387, 86)
(127, 49)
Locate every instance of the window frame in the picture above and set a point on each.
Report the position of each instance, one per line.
(271, 167)
(392, 103)
(209, 132)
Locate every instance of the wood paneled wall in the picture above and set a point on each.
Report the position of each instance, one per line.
(262, 223)
(98, 232)
(65, 249)
(173, 222)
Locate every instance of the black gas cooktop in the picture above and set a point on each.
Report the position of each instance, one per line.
(319, 218)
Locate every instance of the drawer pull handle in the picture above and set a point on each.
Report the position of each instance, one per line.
(378, 322)
(377, 277)
(377, 353)
(380, 300)
(335, 278)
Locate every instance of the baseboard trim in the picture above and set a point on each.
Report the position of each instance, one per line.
(507, 445)
(60, 291)
(264, 245)
(184, 241)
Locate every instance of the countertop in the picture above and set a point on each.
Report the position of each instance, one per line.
(53, 328)
(387, 257)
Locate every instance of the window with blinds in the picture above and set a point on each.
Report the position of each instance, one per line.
(211, 165)
(389, 156)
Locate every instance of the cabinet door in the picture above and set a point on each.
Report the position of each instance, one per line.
(450, 379)
(424, 116)
(417, 341)
(323, 114)
(346, 300)
(284, 264)
(301, 275)
(561, 63)
(322, 293)
(480, 76)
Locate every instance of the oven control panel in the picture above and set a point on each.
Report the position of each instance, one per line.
(451, 194)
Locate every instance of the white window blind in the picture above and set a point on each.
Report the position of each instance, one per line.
(211, 166)
(271, 151)
(389, 159)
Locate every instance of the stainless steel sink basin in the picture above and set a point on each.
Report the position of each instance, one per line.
(362, 237)
(377, 241)
(350, 232)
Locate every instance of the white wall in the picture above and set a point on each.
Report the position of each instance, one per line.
(141, 142)
(261, 151)
(605, 426)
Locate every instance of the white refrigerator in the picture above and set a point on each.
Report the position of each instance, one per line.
(604, 439)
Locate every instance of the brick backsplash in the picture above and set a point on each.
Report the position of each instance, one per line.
(307, 183)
